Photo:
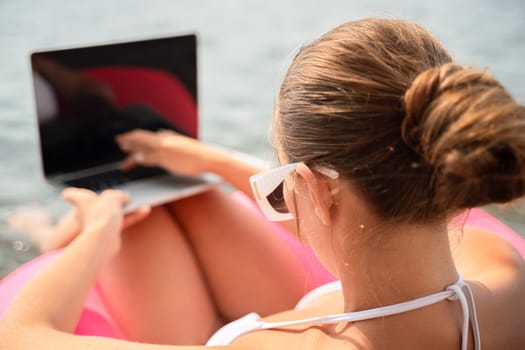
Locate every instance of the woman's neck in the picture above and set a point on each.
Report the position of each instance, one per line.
(400, 263)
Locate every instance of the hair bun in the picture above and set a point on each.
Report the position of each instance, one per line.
(470, 131)
(418, 102)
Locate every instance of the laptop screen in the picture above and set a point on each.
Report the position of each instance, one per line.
(86, 96)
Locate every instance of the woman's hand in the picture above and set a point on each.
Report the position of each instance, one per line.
(167, 149)
(186, 156)
(102, 212)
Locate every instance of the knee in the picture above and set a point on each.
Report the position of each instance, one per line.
(207, 200)
(154, 224)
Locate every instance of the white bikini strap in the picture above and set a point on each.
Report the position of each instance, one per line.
(468, 309)
(453, 292)
(382, 311)
(474, 319)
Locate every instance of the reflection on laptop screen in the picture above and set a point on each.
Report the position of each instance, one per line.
(86, 96)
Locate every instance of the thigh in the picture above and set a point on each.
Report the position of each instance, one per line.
(155, 288)
(248, 267)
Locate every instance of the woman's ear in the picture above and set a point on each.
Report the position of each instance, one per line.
(320, 192)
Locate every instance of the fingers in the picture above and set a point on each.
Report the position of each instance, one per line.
(139, 158)
(136, 216)
(133, 143)
(128, 163)
(142, 147)
(138, 138)
(120, 196)
(78, 196)
(82, 197)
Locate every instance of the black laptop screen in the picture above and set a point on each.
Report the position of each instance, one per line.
(86, 96)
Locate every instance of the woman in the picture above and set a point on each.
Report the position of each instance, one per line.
(383, 139)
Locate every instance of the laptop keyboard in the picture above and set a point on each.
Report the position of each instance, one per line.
(113, 178)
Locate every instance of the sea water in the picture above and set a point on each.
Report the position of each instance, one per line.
(244, 49)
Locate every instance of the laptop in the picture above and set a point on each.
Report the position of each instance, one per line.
(85, 96)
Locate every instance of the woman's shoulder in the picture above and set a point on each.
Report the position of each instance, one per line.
(485, 255)
(495, 270)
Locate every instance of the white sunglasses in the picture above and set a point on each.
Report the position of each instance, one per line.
(267, 189)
